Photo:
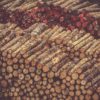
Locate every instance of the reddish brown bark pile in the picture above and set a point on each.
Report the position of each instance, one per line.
(53, 15)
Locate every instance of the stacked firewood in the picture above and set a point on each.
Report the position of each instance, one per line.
(90, 5)
(76, 5)
(16, 4)
(52, 65)
(48, 63)
(51, 15)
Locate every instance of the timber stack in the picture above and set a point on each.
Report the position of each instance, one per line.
(48, 56)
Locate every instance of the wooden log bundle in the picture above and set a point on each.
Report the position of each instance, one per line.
(51, 15)
(93, 7)
(80, 42)
(50, 65)
(43, 63)
(77, 4)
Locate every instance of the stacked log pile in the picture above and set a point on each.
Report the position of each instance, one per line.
(89, 5)
(48, 63)
(78, 5)
(51, 15)
(45, 67)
